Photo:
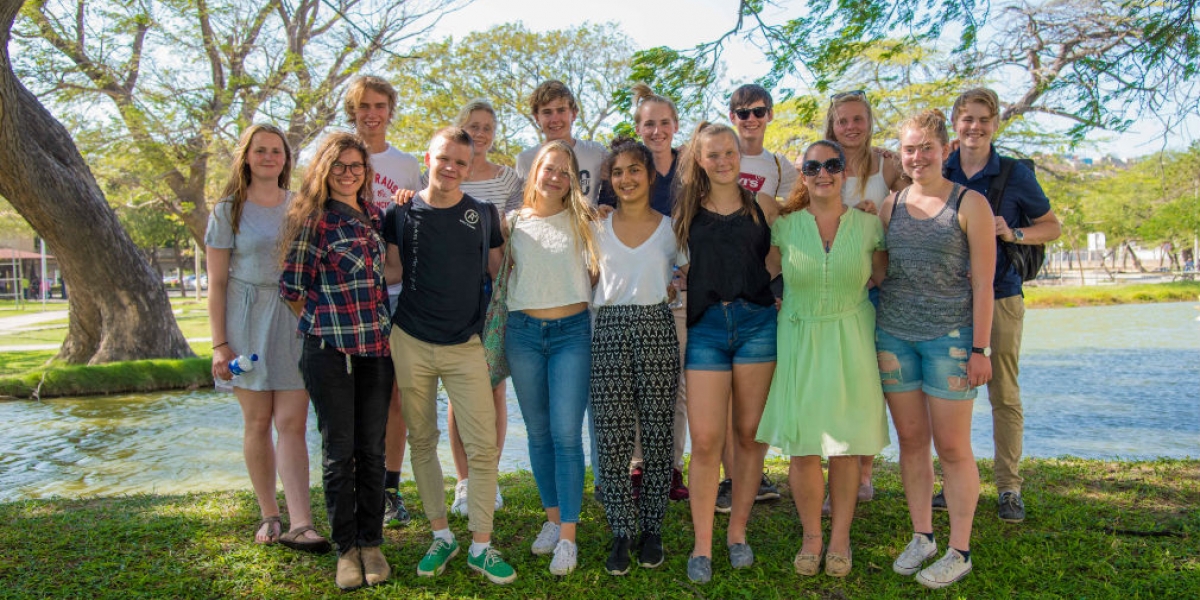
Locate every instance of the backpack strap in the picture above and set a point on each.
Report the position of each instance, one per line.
(995, 193)
(401, 215)
(778, 174)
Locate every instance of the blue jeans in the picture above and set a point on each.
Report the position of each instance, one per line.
(937, 367)
(733, 333)
(550, 361)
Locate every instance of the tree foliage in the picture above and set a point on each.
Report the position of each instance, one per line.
(180, 79)
(1099, 63)
(503, 65)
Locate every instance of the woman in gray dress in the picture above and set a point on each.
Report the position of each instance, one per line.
(248, 317)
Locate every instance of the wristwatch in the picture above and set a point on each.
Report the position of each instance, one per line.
(1018, 236)
(986, 350)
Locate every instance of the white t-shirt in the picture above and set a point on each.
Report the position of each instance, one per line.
(394, 170)
(769, 173)
(549, 268)
(591, 157)
(635, 276)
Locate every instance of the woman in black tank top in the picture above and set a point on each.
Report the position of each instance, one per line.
(731, 335)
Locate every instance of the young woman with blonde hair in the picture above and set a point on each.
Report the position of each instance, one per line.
(247, 317)
(548, 340)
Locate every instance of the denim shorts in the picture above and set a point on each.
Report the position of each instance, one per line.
(733, 333)
(937, 367)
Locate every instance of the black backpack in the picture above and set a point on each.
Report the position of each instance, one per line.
(1027, 259)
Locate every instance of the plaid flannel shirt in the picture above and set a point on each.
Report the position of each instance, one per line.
(336, 265)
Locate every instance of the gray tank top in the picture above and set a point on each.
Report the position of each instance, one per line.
(927, 293)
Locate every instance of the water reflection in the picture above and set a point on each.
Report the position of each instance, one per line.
(1100, 382)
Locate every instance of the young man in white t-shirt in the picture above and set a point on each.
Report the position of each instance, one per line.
(370, 104)
(769, 176)
(554, 110)
(763, 172)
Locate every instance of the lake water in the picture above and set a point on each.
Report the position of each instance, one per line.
(1097, 382)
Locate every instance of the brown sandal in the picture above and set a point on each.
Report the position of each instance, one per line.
(274, 525)
(296, 540)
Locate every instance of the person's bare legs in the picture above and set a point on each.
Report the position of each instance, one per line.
(259, 451)
(750, 385)
(910, 415)
(291, 456)
(960, 475)
(730, 445)
(396, 434)
(808, 486)
(866, 466)
(707, 422)
(843, 496)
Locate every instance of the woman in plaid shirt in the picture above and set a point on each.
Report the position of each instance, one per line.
(333, 278)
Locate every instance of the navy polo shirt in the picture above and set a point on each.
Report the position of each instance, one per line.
(1022, 196)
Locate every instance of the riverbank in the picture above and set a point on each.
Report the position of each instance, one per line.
(1095, 529)
(1103, 295)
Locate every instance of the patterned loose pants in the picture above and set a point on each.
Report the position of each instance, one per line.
(635, 376)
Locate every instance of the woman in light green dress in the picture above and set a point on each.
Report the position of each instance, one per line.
(825, 398)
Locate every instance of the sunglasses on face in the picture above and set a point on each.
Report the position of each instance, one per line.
(833, 166)
(744, 113)
(841, 95)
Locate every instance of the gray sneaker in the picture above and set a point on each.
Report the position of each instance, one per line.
(949, 568)
(939, 502)
(699, 569)
(546, 540)
(565, 558)
(915, 554)
(1012, 508)
(725, 497)
(766, 490)
(741, 556)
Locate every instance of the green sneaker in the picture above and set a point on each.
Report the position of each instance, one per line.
(492, 566)
(440, 553)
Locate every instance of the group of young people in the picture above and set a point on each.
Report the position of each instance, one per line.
(652, 291)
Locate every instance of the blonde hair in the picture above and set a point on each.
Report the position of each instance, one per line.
(364, 83)
(314, 190)
(583, 214)
(239, 171)
(931, 121)
(864, 158)
(464, 115)
(981, 95)
(694, 185)
(643, 94)
(549, 91)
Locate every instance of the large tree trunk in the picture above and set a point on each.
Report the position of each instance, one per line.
(119, 310)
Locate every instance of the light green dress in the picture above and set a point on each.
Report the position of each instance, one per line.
(825, 396)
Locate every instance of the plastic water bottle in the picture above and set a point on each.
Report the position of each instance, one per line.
(241, 364)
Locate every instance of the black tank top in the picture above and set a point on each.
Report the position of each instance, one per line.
(727, 260)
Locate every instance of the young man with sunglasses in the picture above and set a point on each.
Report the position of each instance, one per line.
(765, 173)
(370, 104)
(554, 110)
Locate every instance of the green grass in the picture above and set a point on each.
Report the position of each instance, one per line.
(1092, 295)
(59, 379)
(1095, 530)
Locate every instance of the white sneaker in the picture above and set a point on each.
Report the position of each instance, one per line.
(949, 568)
(546, 541)
(499, 498)
(564, 558)
(460, 499)
(915, 553)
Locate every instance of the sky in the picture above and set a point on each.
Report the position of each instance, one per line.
(685, 23)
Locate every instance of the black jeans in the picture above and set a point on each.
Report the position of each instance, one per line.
(350, 395)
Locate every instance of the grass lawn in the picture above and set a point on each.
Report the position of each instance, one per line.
(1092, 295)
(1095, 530)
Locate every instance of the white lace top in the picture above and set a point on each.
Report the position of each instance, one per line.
(549, 268)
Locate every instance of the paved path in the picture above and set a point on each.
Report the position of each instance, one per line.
(24, 319)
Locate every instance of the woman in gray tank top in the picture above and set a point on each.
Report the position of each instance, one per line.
(935, 317)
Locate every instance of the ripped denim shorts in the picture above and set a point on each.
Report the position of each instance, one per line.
(937, 367)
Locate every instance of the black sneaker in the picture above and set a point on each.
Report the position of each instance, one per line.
(725, 497)
(394, 513)
(650, 550)
(939, 502)
(766, 490)
(1012, 508)
(618, 558)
